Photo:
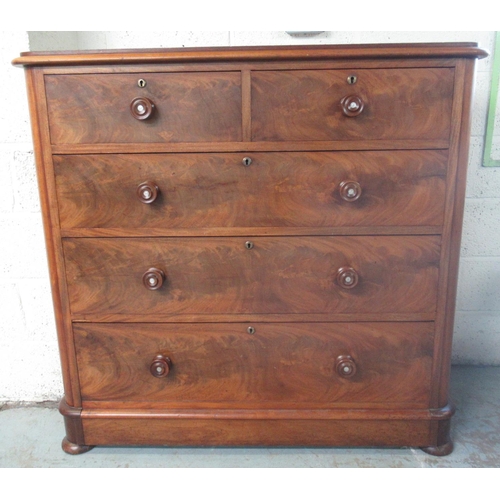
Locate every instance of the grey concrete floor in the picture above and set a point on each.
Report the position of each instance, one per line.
(30, 436)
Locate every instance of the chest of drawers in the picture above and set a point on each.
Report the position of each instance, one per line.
(254, 246)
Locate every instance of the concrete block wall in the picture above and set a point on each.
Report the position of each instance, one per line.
(29, 362)
(29, 359)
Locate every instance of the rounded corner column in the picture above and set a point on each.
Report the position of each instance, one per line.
(74, 441)
(444, 444)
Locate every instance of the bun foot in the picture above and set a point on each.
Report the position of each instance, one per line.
(444, 444)
(74, 449)
(439, 451)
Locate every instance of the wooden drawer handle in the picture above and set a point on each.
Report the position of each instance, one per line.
(153, 278)
(345, 366)
(142, 108)
(350, 190)
(147, 192)
(160, 366)
(347, 277)
(352, 105)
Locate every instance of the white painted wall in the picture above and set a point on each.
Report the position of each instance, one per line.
(29, 360)
(29, 363)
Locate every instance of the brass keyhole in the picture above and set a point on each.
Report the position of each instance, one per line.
(251, 330)
(248, 245)
(351, 79)
(247, 161)
(141, 83)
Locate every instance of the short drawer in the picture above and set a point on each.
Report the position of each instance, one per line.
(390, 104)
(261, 275)
(306, 189)
(185, 107)
(315, 364)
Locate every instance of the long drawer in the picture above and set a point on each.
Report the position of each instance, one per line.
(310, 189)
(263, 275)
(293, 364)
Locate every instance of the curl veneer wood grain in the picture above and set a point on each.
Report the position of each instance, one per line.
(302, 240)
(188, 107)
(277, 189)
(306, 105)
(290, 364)
(294, 275)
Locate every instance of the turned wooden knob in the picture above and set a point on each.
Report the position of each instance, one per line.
(142, 108)
(350, 190)
(153, 278)
(147, 192)
(345, 366)
(160, 366)
(347, 277)
(352, 105)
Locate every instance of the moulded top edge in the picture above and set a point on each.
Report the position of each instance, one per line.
(277, 53)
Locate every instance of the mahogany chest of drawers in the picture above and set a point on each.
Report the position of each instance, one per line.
(254, 246)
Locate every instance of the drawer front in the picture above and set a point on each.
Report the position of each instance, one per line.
(394, 103)
(355, 274)
(276, 190)
(319, 363)
(188, 107)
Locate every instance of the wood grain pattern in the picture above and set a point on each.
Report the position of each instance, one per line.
(287, 53)
(246, 147)
(196, 317)
(96, 108)
(253, 432)
(116, 232)
(305, 105)
(279, 275)
(178, 67)
(454, 219)
(276, 190)
(51, 226)
(281, 363)
(306, 298)
(246, 105)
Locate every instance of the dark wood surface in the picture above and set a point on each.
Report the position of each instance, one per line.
(110, 430)
(398, 188)
(53, 242)
(290, 364)
(306, 105)
(457, 175)
(193, 107)
(287, 53)
(278, 275)
(303, 297)
(247, 147)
